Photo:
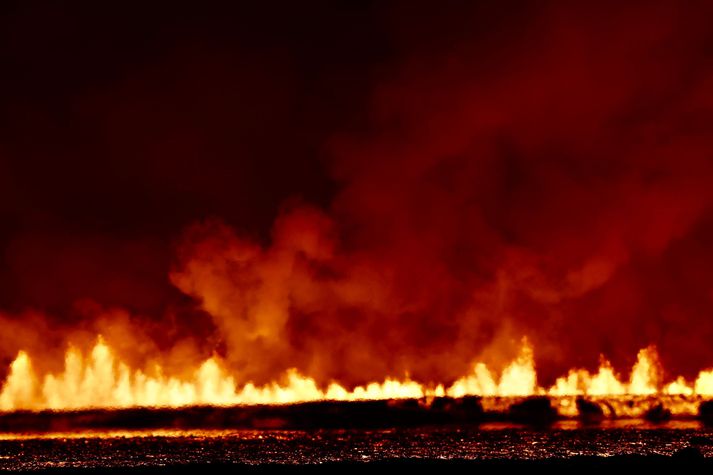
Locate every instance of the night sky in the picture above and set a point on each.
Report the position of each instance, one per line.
(359, 189)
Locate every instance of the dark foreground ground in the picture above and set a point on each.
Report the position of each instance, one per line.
(329, 451)
(329, 437)
(652, 464)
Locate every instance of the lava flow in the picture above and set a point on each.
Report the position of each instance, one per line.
(100, 380)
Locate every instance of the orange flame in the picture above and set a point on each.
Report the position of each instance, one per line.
(100, 380)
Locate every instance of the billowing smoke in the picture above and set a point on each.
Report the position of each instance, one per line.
(542, 173)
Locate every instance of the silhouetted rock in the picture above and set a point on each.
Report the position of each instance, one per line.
(688, 454)
(589, 411)
(701, 440)
(467, 409)
(471, 403)
(657, 413)
(444, 403)
(705, 412)
(535, 410)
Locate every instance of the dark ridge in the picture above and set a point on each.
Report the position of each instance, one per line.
(705, 412)
(658, 413)
(533, 411)
(309, 415)
(589, 412)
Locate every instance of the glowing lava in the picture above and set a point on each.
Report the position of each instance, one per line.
(100, 380)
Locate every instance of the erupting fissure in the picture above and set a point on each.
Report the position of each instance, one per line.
(100, 380)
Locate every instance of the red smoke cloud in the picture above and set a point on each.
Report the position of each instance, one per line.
(547, 175)
(555, 187)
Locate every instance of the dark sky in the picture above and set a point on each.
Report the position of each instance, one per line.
(121, 123)
(422, 182)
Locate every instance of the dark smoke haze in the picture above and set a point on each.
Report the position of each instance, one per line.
(359, 189)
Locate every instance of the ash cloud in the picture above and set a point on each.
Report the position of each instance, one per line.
(445, 182)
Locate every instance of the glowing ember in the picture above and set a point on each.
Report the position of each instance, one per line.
(100, 380)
